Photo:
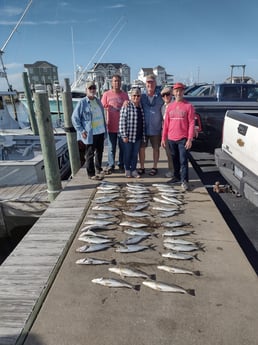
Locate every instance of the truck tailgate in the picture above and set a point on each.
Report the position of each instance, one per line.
(240, 139)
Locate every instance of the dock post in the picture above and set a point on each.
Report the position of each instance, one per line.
(32, 116)
(69, 129)
(47, 141)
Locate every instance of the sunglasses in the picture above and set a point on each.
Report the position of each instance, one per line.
(92, 88)
(166, 94)
(136, 95)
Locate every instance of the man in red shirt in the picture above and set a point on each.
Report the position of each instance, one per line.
(178, 129)
(112, 101)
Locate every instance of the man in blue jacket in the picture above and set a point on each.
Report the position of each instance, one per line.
(89, 121)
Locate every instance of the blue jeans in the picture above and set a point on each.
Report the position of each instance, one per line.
(131, 151)
(180, 159)
(113, 139)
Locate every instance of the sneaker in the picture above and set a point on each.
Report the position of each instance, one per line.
(128, 173)
(108, 170)
(135, 174)
(185, 186)
(174, 180)
(96, 177)
(169, 174)
(121, 170)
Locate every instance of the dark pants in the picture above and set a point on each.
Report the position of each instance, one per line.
(94, 154)
(180, 159)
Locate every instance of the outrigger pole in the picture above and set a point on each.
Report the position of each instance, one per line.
(4, 74)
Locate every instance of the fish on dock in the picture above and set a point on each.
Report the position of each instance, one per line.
(93, 248)
(105, 199)
(181, 247)
(175, 224)
(164, 287)
(179, 241)
(132, 273)
(100, 216)
(177, 270)
(140, 207)
(177, 232)
(163, 201)
(133, 248)
(168, 214)
(133, 224)
(94, 240)
(136, 214)
(115, 283)
(93, 261)
(179, 256)
(173, 200)
(104, 208)
(165, 209)
(137, 232)
(98, 222)
(134, 240)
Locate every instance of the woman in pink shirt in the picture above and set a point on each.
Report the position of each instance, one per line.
(178, 129)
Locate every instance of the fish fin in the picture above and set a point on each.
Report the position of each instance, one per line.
(113, 262)
(191, 292)
(137, 287)
(152, 276)
(156, 235)
(197, 273)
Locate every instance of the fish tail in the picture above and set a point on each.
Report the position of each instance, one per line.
(196, 257)
(137, 287)
(152, 276)
(197, 273)
(152, 246)
(113, 262)
(191, 292)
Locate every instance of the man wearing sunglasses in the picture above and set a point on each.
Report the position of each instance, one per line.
(89, 121)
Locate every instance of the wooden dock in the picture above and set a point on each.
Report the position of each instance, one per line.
(27, 274)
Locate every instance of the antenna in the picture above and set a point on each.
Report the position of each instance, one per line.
(76, 82)
(4, 74)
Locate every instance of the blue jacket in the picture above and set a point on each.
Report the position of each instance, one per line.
(82, 119)
(152, 113)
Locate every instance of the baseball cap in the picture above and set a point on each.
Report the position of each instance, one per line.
(90, 83)
(178, 86)
(150, 77)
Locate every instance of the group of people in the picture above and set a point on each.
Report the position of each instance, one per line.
(131, 124)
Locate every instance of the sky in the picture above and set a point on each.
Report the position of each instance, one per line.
(194, 40)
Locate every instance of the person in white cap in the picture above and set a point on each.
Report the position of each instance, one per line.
(179, 129)
(89, 121)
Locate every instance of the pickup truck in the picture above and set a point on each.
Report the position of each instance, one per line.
(237, 159)
(211, 111)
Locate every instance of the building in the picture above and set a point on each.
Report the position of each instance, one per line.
(42, 73)
(161, 75)
(102, 74)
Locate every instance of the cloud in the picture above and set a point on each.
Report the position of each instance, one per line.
(116, 6)
(11, 11)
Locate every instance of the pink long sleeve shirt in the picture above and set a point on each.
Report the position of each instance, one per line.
(179, 121)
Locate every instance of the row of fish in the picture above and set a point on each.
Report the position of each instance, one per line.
(139, 200)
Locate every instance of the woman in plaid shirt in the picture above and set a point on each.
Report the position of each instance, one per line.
(132, 129)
